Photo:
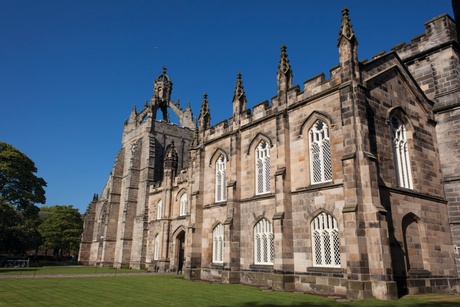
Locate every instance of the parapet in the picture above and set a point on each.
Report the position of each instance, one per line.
(438, 31)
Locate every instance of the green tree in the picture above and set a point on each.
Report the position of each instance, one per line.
(61, 228)
(20, 190)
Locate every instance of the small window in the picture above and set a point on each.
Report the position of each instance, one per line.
(218, 244)
(262, 168)
(263, 243)
(159, 210)
(320, 153)
(325, 241)
(401, 153)
(183, 205)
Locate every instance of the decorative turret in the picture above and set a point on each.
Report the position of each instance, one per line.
(196, 138)
(239, 97)
(205, 115)
(171, 158)
(284, 74)
(162, 88)
(348, 49)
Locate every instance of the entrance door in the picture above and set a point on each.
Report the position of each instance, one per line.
(180, 241)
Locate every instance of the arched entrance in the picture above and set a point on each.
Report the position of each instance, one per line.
(180, 251)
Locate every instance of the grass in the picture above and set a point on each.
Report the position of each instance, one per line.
(64, 270)
(170, 290)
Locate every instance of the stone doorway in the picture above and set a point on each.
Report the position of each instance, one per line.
(180, 251)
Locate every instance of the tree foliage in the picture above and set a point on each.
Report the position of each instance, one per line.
(20, 190)
(61, 228)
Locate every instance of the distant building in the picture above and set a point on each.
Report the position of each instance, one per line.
(348, 185)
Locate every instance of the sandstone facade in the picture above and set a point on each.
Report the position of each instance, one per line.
(347, 186)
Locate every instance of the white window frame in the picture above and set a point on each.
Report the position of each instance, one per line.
(156, 247)
(218, 244)
(160, 210)
(325, 241)
(183, 205)
(264, 252)
(320, 153)
(221, 189)
(401, 153)
(262, 167)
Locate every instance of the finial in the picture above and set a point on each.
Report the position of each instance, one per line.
(164, 70)
(283, 48)
(205, 96)
(239, 90)
(284, 65)
(346, 29)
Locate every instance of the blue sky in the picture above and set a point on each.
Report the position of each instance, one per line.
(71, 71)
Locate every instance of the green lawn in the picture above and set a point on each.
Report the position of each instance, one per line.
(64, 270)
(170, 290)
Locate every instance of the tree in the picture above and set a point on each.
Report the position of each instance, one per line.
(61, 228)
(20, 190)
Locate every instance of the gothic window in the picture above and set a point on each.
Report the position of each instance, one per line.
(221, 194)
(401, 153)
(262, 168)
(325, 241)
(159, 210)
(320, 153)
(156, 247)
(218, 244)
(183, 205)
(263, 243)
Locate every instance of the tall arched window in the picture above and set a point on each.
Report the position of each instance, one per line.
(183, 205)
(218, 244)
(325, 241)
(320, 153)
(401, 153)
(263, 243)
(221, 194)
(156, 247)
(262, 168)
(159, 210)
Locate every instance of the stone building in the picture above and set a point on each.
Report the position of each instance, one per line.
(348, 185)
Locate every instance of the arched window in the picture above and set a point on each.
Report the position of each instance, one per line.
(218, 244)
(401, 153)
(320, 153)
(156, 247)
(262, 168)
(183, 205)
(159, 210)
(221, 194)
(263, 243)
(325, 241)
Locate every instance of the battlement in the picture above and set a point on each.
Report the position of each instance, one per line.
(438, 31)
(312, 87)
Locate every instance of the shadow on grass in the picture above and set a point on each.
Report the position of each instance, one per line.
(357, 303)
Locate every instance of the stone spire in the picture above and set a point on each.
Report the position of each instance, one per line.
(348, 49)
(239, 97)
(284, 74)
(205, 115)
